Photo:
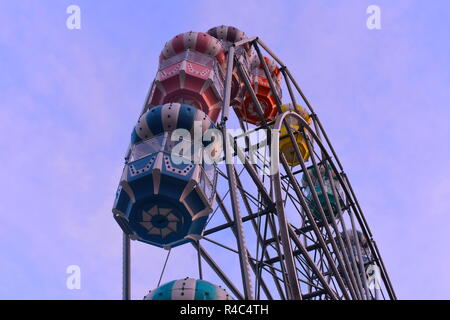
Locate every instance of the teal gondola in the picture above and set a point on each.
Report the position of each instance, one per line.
(166, 194)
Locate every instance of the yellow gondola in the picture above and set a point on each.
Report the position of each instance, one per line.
(286, 146)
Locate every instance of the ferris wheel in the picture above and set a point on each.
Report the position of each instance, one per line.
(221, 161)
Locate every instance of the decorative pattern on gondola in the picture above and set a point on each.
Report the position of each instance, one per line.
(167, 73)
(134, 171)
(188, 289)
(196, 41)
(159, 221)
(203, 73)
(182, 172)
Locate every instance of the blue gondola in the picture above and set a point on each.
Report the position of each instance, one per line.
(164, 199)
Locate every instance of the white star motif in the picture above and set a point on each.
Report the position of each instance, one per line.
(147, 217)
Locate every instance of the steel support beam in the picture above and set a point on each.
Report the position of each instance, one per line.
(213, 265)
(126, 267)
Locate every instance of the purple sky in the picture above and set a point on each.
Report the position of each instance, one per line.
(69, 99)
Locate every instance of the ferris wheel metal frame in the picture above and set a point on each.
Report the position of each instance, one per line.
(313, 260)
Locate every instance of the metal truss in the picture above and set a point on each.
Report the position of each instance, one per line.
(277, 248)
